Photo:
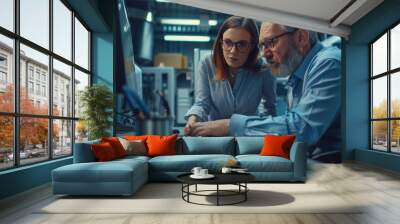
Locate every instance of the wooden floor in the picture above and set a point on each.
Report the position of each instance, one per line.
(377, 188)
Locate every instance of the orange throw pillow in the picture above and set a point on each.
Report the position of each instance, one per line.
(136, 137)
(103, 152)
(277, 145)
(161, 145)
(116, 145)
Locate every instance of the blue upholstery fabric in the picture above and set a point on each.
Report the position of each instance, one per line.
(257, 163)
(208, 145)
(184, 163)
(119, 177)
(83, 152)
(249, 145)
(298, 155)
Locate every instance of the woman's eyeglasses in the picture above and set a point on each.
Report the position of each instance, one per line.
(241, 45)
(271, 43)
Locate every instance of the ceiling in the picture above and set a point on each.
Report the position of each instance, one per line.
(326, 16)
(138, 9)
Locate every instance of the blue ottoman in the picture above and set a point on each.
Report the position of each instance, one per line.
(118, 177)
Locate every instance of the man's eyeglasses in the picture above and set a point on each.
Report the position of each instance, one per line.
(241, 45)
(271, 43)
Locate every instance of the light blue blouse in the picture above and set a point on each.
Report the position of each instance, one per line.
(216, 99)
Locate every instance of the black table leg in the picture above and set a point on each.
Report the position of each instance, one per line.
(217, 194)
(245, 193)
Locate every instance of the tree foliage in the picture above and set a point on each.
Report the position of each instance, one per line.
(33, 131)
(380, 127)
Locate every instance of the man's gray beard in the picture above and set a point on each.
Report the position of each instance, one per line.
(293, 60)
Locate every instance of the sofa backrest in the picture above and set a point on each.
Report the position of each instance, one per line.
(191, 146)
(249, 145)
(207, 145)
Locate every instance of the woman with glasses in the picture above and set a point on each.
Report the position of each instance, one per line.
(232, 80)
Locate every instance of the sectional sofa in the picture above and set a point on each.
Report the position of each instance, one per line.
(125, 176)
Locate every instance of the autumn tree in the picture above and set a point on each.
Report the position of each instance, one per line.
(33, 131)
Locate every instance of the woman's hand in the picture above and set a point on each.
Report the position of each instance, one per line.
(190, 122)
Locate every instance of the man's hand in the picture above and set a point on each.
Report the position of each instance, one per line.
(211, 128)
(191, 121)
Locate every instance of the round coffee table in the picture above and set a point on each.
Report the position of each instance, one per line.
(238, 179)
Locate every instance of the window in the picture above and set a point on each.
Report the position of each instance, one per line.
(30, 87)
(6, 73)
(38, 89)
(37, 74)
(62, 29)
(43, 77)
(81, 81)
(3, 78)
(3, 61)
(43, 90)
(45, 131)
(62, 74)
(81, 45)
(30, 72)
(7, 14)
(34, 21)
(385, 96)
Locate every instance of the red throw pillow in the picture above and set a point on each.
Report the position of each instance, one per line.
(161, 145)
(116, 145)
(103, 151)
(277, 145)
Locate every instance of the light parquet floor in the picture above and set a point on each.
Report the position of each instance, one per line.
(377, 189)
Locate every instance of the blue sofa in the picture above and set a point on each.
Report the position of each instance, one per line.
(125, 176)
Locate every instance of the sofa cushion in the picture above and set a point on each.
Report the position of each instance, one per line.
(116, 145)
(103, 152)
(135, 147)
(277, 145)
(112, 171)
(136, 137)
(208, 145)
(161, 145)
(249, 145)
(185, 163)
(257, 163)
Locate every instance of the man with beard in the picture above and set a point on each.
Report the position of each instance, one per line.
(313, 113)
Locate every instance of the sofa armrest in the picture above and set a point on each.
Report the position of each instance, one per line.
(83, 152)
(298, 155)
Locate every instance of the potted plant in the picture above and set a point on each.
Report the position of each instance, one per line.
(96, 102)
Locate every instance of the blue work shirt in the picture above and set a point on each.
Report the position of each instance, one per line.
(313, 107)
(216, 99)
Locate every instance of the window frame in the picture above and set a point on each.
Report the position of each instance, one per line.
(16, 114)
(388, 74)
